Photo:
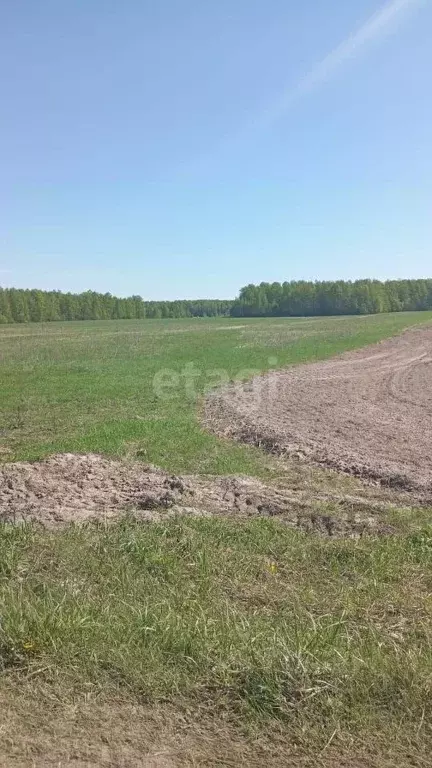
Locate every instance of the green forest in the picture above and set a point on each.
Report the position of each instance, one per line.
(289, 299)
(34, 306)
(361, 297)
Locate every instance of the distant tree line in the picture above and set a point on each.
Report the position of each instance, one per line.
(362, 297)
(34, 306)
(189, 308)
(295, 298)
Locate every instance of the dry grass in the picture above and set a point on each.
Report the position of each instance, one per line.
(44, 730)
(215, 642)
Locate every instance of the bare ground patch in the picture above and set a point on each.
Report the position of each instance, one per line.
(47, 728)
(367, 413)
(77, 488)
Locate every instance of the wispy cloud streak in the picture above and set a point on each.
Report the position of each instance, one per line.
(385, 21)
(382, 23)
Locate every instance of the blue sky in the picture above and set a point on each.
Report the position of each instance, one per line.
(183, 148)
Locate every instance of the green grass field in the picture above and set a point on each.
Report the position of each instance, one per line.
(199, 641)
(85, 387)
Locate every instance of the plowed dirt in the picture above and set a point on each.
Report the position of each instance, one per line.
(367, 413)
(71, 488)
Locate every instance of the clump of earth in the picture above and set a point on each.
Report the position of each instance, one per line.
(76, 488)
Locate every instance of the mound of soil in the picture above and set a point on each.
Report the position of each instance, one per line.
(367, 413)
(72, 488)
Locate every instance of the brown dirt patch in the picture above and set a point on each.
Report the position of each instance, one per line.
(72, 488)
(43, 726)
(367, 413)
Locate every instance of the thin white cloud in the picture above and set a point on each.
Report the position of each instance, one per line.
(382, 23)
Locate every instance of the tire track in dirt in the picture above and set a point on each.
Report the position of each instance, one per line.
(367, 413)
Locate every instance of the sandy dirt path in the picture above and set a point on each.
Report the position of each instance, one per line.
(368, 412)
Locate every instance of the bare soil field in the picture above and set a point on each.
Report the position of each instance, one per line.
(72, 488)
(367, 413)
